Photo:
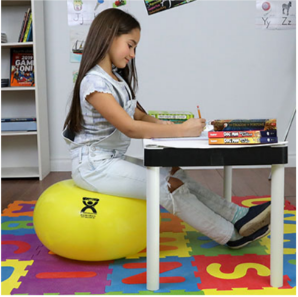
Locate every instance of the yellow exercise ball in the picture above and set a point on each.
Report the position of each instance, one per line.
(83, 225)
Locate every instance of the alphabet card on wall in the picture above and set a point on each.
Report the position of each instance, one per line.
(154, 6)
(80, 15)
(276, 15)
(83, 12)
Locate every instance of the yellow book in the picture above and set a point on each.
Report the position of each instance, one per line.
(28, 28)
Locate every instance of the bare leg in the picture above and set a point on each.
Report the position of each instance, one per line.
(175, 183)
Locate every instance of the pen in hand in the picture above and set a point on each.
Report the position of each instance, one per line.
(199, 112)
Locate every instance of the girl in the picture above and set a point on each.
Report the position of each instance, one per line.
(103, 117)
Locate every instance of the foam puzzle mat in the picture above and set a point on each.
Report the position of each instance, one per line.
(190, 263)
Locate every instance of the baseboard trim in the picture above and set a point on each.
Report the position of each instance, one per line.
(61, 165)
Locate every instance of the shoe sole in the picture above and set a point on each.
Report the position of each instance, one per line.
(248, 242)
(262, 220)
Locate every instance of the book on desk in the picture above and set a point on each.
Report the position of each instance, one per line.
(243, 132)
(244, 124)
(176, 117)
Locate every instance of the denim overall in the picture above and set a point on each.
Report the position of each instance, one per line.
(103, 167)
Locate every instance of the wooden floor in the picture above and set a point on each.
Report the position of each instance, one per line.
(246, 182)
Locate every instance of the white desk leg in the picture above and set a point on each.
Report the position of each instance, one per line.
(277, 225)
(228, 183)
(153, 214)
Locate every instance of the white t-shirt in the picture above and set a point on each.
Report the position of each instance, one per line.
(95, 127)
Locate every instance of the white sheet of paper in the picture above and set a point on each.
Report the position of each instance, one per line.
(203, 136)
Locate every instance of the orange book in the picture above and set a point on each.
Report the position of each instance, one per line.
(22, 67)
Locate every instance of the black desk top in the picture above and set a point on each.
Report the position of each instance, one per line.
(259, 155)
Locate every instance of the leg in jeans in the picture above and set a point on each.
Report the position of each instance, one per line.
(247, 221)
(213, 201)
(124, 178)
(192, 211)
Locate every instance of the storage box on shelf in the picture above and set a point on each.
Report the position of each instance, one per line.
(24, 153)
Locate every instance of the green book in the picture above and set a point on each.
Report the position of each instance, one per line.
(173, 116)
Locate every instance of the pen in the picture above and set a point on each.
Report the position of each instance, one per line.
(199, 113)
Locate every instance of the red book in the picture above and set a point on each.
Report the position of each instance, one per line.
(22, 27)
(25, 24)
(239, 134)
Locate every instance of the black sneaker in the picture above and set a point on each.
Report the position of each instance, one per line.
(237, 244)
(257, 217)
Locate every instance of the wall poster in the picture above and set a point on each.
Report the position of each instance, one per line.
(154, 6)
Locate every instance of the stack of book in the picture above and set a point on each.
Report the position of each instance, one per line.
(250, 131)
(18, 124)
(3, 37)
(4, 82)
(177, 117)
(26, 28)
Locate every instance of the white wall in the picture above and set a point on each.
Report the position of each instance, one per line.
(206, 53)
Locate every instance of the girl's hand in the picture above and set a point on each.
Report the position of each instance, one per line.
(193, 127)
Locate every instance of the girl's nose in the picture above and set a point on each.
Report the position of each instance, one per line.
(132, 53)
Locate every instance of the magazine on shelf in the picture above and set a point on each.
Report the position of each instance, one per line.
(22, 67)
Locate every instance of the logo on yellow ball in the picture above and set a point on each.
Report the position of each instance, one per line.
(89, 211)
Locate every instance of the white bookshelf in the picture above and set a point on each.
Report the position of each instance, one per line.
(9, 89)
(24, 154)
(18, 133)
(16, 44)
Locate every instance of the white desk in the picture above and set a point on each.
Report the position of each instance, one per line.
(199, 153)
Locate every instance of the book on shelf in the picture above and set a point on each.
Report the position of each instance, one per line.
(4, 82)
(3, 37)
(28, 119)
(242, 140)
(237, 134)
(173, 116)
(19, 126)
(24, 25)
(22, 67)
(29, 25)
(30, 34)
(244, 124)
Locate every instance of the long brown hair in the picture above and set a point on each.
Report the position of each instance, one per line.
(105, 27)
